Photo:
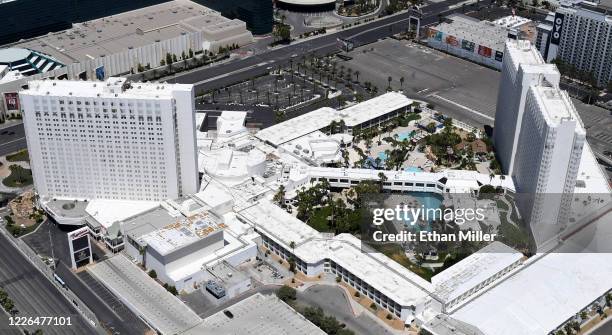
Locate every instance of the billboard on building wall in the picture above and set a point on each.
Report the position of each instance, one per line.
(80, 247)
(484, 51)
(557, 28)
(467, 45)
(12, 101)
(452, 40)
(499, 56)
(432, 33)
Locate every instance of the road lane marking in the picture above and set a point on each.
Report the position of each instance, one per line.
(463, 107)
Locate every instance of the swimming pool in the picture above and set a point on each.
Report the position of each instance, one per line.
(406, 135)
(413, 169)
(428, 200)
(383, 156)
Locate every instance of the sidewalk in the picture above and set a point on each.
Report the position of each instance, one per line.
(10, 123)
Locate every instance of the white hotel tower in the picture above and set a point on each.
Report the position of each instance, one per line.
(522, 67)
(539, 138)
(547, 162)
(111, 140)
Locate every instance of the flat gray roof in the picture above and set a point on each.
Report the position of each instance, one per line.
(68, 208)
(147, 222)
(116, 33)
(144, 296)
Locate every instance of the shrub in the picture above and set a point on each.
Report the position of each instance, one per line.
(286, 293)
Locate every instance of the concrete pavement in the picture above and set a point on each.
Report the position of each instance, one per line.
(34, 295)
(107, 308)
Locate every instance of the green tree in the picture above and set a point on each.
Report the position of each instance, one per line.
(153, 274)
(286, 293)
(279, 197)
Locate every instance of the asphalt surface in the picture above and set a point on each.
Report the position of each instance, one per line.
(12, 138)
(109, 310)
(238, 70)
(604, 329)
(334, 302)
(34, 295)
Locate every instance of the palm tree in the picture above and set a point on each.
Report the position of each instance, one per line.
(389, 79)
(402, 83)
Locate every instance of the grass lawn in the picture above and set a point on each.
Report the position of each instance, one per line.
(19, 177)
(17, 231)
(19, 156)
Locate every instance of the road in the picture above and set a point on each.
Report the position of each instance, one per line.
(12, 138)
(242, 69)
(33, 294)
(604, 329)
(107, 308)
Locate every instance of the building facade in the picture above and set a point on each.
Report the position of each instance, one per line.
(582, 36)
(522, 66)
(110, 140)
(481, 42)
(546, 167)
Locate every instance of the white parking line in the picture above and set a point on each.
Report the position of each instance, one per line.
(463, 107)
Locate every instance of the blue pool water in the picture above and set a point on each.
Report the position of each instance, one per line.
(382, 156)
(406, 135)
(428, 200)
(413, 169)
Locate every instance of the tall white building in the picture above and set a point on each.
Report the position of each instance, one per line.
(522, 67)
(111, 140)
(581, 35)
(546, 166)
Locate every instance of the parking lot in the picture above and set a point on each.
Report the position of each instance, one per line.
(280, 89)
(456, 87)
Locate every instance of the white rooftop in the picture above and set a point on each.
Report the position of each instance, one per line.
(458, 181)
(144, 296)
(133, 29)
(230, 123)
(522, 52)
(373, 108)
(541, 296)
(183, 232)
(556, 105)
(473, 270)
(322, 117)
(107, 212)
(298, 126)
(386, 275)
(512, 21)
(111, 88)
(483, 33)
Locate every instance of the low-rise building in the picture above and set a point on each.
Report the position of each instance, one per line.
(117, 45)
(350, 120)
(479, 41)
